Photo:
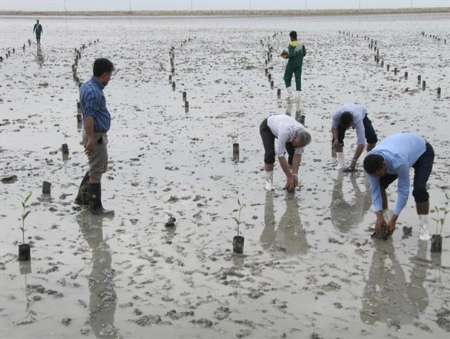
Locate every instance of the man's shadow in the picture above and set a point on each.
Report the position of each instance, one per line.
(388, 297)
(103, 298)
(345, 215)
(289, 236)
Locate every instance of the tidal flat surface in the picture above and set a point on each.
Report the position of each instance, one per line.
(309, 269)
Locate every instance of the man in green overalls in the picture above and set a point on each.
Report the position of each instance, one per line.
(295, 54)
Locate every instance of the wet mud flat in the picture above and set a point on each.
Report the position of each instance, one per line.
(309, 268)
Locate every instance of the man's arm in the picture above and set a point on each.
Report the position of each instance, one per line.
(377, 202)
(361, 143)
(90, 134)
(34, 28)
(90, 107)
(402, 189)
(296, 161)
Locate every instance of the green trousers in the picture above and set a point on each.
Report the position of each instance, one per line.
(298, 77)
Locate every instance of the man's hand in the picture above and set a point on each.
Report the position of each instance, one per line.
(290, 183)
(379, 226)
(351, 168)
(391, 225)
(89, 147)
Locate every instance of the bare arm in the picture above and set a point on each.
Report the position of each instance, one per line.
(358, 152)
(90, 133)
(296, 164)
(285, 167)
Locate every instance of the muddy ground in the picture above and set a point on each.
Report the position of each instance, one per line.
(309, 268)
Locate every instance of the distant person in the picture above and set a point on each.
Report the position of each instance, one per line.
(291, 137)
(37, 29)
(392, 160)
(96, 123)
(295, 53)
(354, 116)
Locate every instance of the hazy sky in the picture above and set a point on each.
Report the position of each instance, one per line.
(210, 4)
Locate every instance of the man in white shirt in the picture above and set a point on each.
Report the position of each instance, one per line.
(291, 137)
(354, 116)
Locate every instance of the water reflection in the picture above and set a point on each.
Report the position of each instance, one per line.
(290, 235)
(103, 299)
(39, 55)
(388, 297)
(345, 215)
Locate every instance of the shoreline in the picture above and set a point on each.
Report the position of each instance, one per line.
(237, 13)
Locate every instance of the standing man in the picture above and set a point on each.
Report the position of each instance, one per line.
(354, 116)
(96, 123)
(295, 54)
(393, 159)
(37, 29)
(291, 137)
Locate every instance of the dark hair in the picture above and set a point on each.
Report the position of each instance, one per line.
(373, 163)
(293, 35)
(102, 66)
(346, 119)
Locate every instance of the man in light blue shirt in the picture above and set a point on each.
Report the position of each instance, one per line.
(392, 160)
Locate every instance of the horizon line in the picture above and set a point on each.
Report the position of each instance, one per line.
(233, 12)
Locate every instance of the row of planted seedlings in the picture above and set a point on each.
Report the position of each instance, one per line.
(11, 51)
(380, 60)
(434, 37)
(436, 239)
(172, 81)
(171, 222)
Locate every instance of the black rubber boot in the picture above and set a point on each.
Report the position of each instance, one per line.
(83, 196)
(95, 203)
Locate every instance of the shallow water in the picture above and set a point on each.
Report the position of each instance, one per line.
(309, 264)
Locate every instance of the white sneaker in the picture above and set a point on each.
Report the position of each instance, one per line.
(340, 160)
(269, 186)
(424, 234)
(269, 181)
(299, 103)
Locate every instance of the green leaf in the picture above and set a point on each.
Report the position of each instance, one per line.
(27, 197)
(25, 215)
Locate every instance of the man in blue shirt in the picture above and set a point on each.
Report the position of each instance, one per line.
(392, 160)
(96, 122)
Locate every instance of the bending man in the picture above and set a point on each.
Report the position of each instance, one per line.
(392, 160)
(354, 116)
(291, 137)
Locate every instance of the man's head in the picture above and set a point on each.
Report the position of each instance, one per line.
(302, 139)
(37, 21)
(374, 165)
(103, 69)
(346, 120)
(293, 36)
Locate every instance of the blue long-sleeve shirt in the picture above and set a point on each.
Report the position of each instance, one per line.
(93, 104)
(400, 153)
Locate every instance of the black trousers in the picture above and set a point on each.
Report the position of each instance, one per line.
(371, 135)
(422, 171)
(268, 139)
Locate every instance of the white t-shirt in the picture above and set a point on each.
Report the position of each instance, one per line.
(359, 112)
(284, 128)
